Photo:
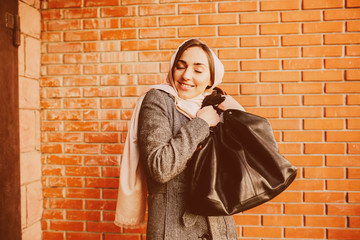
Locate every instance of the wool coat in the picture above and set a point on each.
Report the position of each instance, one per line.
(167, 140)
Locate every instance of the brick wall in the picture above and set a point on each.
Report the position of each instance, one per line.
(295, 62)
(29, 103)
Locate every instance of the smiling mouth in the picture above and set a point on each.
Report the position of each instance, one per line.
(185, 86)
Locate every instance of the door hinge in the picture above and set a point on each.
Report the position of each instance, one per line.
(13, 22)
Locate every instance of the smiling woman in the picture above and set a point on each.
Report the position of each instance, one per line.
(192, 73)
(170, 127)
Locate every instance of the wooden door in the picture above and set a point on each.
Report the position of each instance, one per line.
(10, 218)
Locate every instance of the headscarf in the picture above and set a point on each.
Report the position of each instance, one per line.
(132, 193)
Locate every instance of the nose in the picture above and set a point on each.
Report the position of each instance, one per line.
(187, 75)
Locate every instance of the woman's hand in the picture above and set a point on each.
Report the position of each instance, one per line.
(210, 115)
(230, 103)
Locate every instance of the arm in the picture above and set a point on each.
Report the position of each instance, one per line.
(165, 155)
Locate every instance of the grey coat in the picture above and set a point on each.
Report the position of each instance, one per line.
(167, 140)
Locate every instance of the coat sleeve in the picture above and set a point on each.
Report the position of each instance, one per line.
(164, 155)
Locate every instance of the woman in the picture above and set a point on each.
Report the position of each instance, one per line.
(170, 127)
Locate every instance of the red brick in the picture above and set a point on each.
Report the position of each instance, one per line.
(101, 69)
(106, 160)
(83, 236)
(102, 182)
(300, 40)
(354, 197)
(118, 34)
(135, 2)
(260, 65)
(61, 25)
(64, 137)
(112, 148)
(346, 87)
(64, 159)
(279, 100)
(343, 161)
(51, 148)
(353, 26)
(321, 4)
(353, 148)
(238, 53)
(346, 234)
(67, 226)
(102, 114)
(353, 173)
(63, 70)
(353, 123)
(118, 11)
(244, 6)
(282, 76)
(51, 37)
(96, 3)
(83, 215)
(53, 214)
(352, 99)
(259, 89)
(344, 209)
(176, 20)
(342, 111)
(64, 4)
(63, 92)
(339, 136)
(82, 171)
(352, 74)
(111, 172)
(197, 8)
(139, 45)
(247, 219)
(280, 5)
(139, 68)
(139, 22)
(304, 233)
(80, 13)
(101, 23)
(63, 115)
(352, 50)
(101, 46)
(158, 33)
(101, 92)
(259, 41)
(82, 193)
(323, 27)
(218, 19)
(313, 124)
(326, 173)
(282, 220)
(81, 58)
(52, 171)
(101, 137)
(304, 112)
(324, 148)
(293, 88)
(82, 148)
(53, 193)
(325, 221)
(283, 52)
(346, 38)
(239, 30)
(123, 236)
(66, 203)
(302, 64)
(283, 28)
(303, 136)
(115, 126)
(314, 100)
(197, 31)
(300, 16)
(323, 51)
(261, 17)
(81, 36)
(80, 81)
(320, 197)
(288, 148)
(342, 63)
(306, 209)
(157, 10)
(323, 75)
(341, 14)
(53, 235)
(261, 232)
(81, 126)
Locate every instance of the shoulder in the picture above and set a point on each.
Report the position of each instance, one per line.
(157, 96)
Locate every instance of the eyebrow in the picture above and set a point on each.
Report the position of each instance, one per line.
(200, 64)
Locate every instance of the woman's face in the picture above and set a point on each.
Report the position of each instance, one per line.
(192, 73)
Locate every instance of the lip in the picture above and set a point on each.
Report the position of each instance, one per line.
(185, 86)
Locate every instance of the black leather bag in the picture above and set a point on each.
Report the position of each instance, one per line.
(237, 167)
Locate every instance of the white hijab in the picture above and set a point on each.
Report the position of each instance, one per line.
(131, 202)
